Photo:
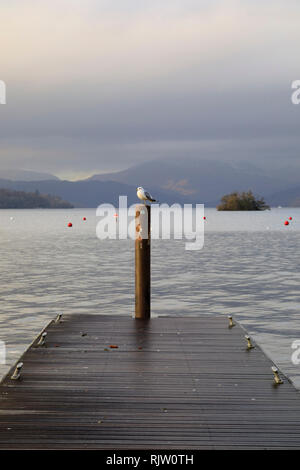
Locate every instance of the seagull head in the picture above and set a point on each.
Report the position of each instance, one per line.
(140, 187)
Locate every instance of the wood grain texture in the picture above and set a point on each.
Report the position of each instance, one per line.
(171, 383)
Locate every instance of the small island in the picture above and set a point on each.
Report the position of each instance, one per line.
(244, 201)
(22, 200)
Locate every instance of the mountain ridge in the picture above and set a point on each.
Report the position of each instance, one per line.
(198, 180)
(26, 175)
(184, 181)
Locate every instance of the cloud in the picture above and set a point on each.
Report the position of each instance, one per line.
(93, 76)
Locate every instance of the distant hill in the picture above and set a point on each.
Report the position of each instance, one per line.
(287, 198)
(202, 181)
(183, 181)
(88, 193)
(26, 175)
(22, 200)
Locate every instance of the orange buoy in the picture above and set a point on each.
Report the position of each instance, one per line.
(286, 222)
(116, 215)
(70, 225)
(290, 218)
(84, 218)
(204, 218)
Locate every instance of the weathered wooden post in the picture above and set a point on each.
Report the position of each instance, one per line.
(142, 261)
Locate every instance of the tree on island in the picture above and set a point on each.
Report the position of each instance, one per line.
(245, 201)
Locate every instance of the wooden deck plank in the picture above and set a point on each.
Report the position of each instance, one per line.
(180, 382)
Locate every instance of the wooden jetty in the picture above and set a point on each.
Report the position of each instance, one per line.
(112, 382)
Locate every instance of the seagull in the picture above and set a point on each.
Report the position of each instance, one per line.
(144, 195)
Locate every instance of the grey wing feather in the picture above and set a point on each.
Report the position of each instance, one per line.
(148, 195)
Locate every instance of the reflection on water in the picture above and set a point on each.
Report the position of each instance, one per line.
(248, 268)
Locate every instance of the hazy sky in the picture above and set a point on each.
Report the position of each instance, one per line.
(95, 85)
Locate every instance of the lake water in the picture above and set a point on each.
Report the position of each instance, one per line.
(248, 268)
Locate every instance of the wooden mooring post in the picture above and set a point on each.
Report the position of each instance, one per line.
(142, 261)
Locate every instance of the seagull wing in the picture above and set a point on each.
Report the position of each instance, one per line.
(149, 197)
